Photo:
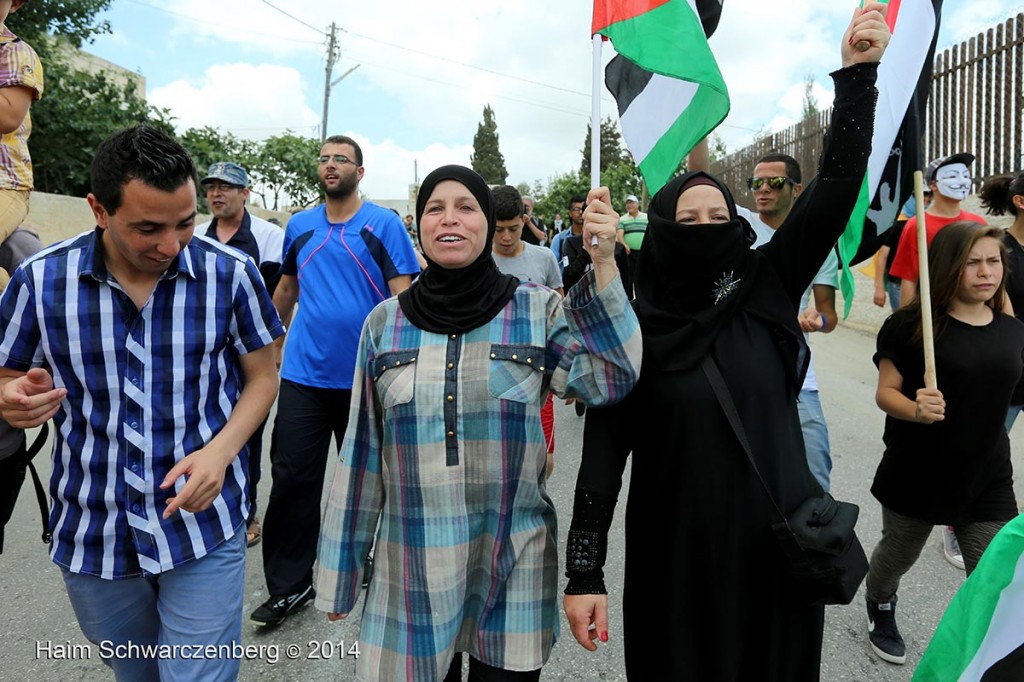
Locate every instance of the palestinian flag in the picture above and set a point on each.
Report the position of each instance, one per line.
(981, 636)
(896, 146)
(667, 85)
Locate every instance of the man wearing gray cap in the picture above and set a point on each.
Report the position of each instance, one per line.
(227, 190)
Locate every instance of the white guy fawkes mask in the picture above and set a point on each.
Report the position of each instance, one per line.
(953, 181)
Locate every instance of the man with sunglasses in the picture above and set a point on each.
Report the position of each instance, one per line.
(776, 184)
(349, 255)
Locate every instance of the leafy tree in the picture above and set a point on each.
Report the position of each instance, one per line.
(208, 145)
(283, 167)
(622, 179)
(611, 147)
(561, 188)
(716, 148)
(524, 189)
(78, 109)
(487, 159)
(810, 101)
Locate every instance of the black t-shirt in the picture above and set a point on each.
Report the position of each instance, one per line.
(528, 236)
(957, 470)
(1015, 274)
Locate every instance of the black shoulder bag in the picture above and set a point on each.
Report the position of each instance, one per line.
(826, 560)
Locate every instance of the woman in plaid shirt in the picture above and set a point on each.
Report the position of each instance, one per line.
(445, 446)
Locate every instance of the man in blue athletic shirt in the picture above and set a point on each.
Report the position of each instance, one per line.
(340, 260)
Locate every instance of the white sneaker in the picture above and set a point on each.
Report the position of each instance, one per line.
(951, 548)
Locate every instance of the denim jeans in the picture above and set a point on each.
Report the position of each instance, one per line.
(812, 423)
(197, 603)
(1011, 416)
(893, 289)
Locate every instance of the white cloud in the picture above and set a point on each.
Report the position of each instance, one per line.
(244, 99)
(424, 98)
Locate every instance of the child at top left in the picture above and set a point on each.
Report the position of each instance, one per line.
(21, 83)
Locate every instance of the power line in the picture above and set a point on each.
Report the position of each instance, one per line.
(293, 17)
(221, 26)
(467, 65)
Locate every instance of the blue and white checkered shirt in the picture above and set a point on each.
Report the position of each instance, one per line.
(145, 389)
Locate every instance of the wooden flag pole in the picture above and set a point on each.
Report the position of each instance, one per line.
(924, 289)
(595, 122)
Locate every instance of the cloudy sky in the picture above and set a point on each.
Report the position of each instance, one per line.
(426, 70)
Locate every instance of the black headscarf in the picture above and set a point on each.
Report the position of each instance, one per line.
(690, 278)
(456, 300)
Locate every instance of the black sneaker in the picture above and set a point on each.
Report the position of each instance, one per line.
(277, 608)
(581, 407)
(883, 634)
(367, 572)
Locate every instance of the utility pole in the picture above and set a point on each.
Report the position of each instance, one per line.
(333, 52)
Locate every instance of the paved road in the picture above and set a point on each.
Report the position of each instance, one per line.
(34, 607)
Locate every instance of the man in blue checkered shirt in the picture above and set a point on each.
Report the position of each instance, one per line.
(152, 351)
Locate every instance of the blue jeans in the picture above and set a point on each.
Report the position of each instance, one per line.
(1011, 416)
(197, 603)
(893, 289)
(812, 423)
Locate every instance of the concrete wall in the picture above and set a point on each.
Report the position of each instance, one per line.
(55, 217)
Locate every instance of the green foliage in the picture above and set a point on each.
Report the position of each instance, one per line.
(810, 101)
(73, 20)
(561, 188)
(78, 109)
(524, 189)
(283, 167)
(622, 179)
(716, 148)
(487, 159)
(611, 147)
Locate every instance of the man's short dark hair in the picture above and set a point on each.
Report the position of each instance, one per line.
(508, 203)
(577, 199)
(792, 165)
(345, 139)
(139, 153)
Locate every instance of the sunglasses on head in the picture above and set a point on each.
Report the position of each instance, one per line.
(775, 183)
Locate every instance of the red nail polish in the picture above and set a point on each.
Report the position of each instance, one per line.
(604, 635)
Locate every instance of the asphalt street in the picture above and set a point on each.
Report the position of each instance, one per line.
(36, 617)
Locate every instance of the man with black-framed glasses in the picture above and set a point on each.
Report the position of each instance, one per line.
(351, 254)
(776, 183)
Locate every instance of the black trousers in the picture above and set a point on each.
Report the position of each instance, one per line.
(481, 672)
(307, 417)
(12, 476)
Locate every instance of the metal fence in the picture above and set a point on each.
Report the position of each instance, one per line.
(976, 105)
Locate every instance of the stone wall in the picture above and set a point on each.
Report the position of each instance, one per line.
(55, 217)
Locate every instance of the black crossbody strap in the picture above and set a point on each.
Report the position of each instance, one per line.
(780, 526)
(44, 507)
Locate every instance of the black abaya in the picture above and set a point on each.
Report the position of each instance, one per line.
(706, 594)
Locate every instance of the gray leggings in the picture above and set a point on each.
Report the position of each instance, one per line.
(903, 538)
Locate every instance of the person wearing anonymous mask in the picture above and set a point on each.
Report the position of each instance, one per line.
(706, 594)
(950, 181)
(445, 446)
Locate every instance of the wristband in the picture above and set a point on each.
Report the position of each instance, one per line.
(824, 321)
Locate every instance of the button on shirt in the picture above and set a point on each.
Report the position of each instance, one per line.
(145, 389)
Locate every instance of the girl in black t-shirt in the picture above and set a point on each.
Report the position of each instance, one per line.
(1000, 195)
(947, 456)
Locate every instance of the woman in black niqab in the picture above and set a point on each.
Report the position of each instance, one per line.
(703, 572)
